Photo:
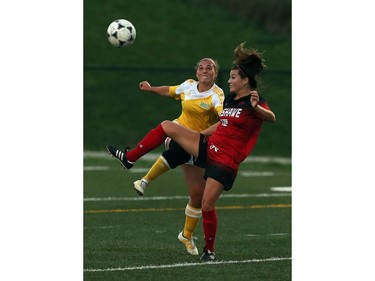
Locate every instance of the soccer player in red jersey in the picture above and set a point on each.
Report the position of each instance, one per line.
(222, 147)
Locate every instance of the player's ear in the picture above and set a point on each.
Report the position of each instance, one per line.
(246, 80)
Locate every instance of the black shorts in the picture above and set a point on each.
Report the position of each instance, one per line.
(175, 155)
(201, 160)
(217, 171)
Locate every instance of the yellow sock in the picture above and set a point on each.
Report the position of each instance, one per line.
(160, 167)
(192, 216)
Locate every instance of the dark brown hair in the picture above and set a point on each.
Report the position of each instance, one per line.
(249, 62)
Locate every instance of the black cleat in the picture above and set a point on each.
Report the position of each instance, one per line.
(120, 155)
(207, 256)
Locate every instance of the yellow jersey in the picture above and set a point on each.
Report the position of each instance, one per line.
(200, 110)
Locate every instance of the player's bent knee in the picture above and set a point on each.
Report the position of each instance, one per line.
(168, 127)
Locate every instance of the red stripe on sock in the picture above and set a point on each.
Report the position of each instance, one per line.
(209, 228)
(152, 140)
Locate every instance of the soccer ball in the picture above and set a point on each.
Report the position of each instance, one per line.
(121, 33)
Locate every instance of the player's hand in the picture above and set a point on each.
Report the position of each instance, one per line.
(145, 86)
(254, 99)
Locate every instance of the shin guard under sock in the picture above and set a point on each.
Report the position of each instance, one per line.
(192, 217)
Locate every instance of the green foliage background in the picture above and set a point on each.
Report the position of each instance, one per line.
(172, 35)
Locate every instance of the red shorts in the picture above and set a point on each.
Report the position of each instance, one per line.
(215, 168)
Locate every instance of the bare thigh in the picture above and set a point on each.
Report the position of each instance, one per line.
(185, 137)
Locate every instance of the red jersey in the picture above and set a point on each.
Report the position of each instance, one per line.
(237, 132)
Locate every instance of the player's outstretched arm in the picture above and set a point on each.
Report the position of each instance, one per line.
(160, 90)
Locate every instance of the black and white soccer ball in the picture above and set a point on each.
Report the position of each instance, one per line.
(121, 33)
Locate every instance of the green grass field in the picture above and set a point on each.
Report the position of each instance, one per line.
(131, 238)
(127, 237)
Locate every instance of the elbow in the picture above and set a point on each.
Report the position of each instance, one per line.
(272, 118)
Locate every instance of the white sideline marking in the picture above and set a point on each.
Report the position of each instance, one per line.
(282, 188)
(103, 154)
(107, 168)
(257, 174)
(184, 197)
(270, 234)
(184, 265)
(267, 159)
(138, 170)
(144, 170)
(102, 227)
(96, 168)
(153, 156)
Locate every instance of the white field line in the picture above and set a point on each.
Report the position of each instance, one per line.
(96, 168)
(153, 156)
(101, 227)
(270, 234)
(257, 174)
(156, 198)
(273, 259)
(144, 170)
(282, 188)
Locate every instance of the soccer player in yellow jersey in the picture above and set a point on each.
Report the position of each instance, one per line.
(202, 103)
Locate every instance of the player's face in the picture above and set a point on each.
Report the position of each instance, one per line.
(236, 82)
(206, 71)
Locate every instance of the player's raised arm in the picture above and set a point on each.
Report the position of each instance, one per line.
(266, 114)
(160, 90)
